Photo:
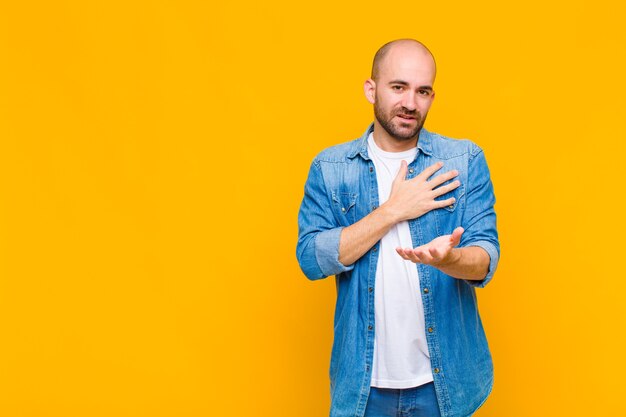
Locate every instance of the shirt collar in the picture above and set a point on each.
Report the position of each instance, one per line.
(359, 146)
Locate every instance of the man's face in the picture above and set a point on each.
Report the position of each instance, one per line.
(403, 93)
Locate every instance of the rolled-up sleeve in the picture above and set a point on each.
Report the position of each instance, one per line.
(479, 220)
(318, 230)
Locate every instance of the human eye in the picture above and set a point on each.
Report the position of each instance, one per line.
(423, 92)
(397, 87)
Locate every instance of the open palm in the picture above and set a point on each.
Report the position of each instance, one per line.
(436, 252)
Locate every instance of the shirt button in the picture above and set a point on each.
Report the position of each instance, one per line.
(374, 207)
(411, 171)
(369, 327)
(430, 330)
(343, 209)
(370, 289)
(371, 169)
(451, 206)
(425, 290)
(436, 370)
(374, 249)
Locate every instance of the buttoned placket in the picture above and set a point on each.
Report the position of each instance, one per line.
(371, 276)
(371, 280)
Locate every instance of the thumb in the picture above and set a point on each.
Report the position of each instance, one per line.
(455, 238)
(402, 172)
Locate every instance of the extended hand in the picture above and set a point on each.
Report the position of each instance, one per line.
(437, 252)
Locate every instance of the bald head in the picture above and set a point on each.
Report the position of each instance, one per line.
(403, 47)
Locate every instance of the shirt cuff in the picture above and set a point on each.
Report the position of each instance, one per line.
(327, 252)
(493, 262)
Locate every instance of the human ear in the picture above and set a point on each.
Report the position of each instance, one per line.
(370, 90)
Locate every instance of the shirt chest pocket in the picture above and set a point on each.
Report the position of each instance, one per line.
(460, 165)
(449, 217)
(344, 206)
(459, 199)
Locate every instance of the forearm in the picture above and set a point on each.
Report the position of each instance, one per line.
(359, 237)
(471, 262)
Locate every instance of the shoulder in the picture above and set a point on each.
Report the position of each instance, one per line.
(445, 147)
(340, 153)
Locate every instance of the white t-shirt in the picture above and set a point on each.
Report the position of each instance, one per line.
(401, 358)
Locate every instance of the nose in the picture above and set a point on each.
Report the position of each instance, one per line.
(409, 100)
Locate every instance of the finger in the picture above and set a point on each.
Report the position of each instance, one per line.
(423, 255)
(446, 188)
(443, 203)
(456, 236)
(441, 178)
(410, 255)
(402, 172)
(401, 253)
(404, 253)
(435, 254)
(426, 173)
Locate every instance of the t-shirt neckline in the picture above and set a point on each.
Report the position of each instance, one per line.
(390, 155)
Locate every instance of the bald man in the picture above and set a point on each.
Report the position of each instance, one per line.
(404, 219)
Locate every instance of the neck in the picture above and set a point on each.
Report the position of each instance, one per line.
(388, 143)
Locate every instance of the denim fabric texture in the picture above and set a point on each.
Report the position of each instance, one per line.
(412, 402)
(341, 188)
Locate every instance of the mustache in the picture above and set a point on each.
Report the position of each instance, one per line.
(408, 113)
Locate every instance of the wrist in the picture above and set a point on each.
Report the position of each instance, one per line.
(390, 213)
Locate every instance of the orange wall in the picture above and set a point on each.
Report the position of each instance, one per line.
(152, 161)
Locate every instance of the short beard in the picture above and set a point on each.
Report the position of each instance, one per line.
(392, 130)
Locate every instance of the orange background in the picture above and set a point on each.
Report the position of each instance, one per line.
(152, 161)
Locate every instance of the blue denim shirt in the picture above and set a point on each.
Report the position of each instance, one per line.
(341, 188)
